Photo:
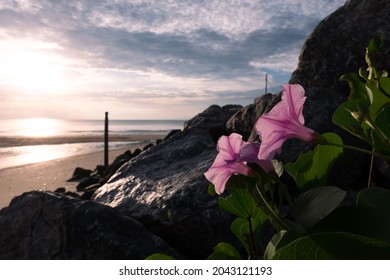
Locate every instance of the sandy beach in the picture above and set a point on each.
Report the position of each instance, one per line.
(53, 174)
(7, 141)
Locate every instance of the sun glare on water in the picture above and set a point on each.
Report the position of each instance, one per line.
(39, 127)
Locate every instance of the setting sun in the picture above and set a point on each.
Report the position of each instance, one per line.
(33, 68)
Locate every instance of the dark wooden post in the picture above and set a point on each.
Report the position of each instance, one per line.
(106, 140)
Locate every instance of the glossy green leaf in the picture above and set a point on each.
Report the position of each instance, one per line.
(381, 134)
(272, 245)
(225, 251)
(312, 168)
(365, 221)
(240, 227)
(334, 246)
(379, 101)
(240, 201)
(375, 45)
(315, 204)
(343, 117)
(358, 89)
(288, 237)
(376, 198)
(159, 256)
(385, 84)
(211, 190)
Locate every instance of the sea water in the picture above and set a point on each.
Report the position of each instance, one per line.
(41, 127)
(21, 129)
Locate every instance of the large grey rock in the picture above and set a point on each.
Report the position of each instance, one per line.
(45, 225)
(334, 48)
(213, 119)
(243, 121)
(337, 45)
(165, 189)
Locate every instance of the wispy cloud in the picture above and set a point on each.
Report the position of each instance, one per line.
(154, 51)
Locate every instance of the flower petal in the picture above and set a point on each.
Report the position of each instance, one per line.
(230, 145)
(249, 152)
(226, 162)
(294, 98)
(284, 121)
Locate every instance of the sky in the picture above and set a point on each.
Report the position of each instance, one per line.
(138, 59)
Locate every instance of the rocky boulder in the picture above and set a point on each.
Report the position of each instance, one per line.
(164, 187)
(243, 121)
(335, 47)
(45, 225)
(213, 119)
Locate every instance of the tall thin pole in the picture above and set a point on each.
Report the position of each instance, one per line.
(106, 140)
(266, 82)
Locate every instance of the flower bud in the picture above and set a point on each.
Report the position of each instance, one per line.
(357, 116)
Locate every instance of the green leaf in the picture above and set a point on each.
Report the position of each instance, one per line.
(385, 84)
(159, 256)
(211, 190)
(288, 237)
(379, 100)
(272, 245)
(241, 201)
(343, 117)
(358, 88)
(334, 246)
(375, 46)
(365, 221)
(240, 227)
(315, 204)
(381, 134)
(376, 198)
(312, 168)
(370, 218)
(225, 251)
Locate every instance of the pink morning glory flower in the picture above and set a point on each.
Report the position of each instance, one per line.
(249, 152)
(226, 164)
(284, 121)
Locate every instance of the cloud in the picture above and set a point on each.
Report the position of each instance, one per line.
(187, 37)
(153, 51)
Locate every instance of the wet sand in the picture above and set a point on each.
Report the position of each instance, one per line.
(53, 174)
(69, 139)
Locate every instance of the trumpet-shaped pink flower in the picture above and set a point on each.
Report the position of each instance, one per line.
(226, 163)
(249, 152)
(284, 121)
(234, 153)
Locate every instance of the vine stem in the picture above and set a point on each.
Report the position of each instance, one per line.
(357, 149)
(255, 254)
(369, 184)
(268, 208)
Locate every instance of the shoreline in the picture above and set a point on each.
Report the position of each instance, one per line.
(20, 150)
(16, 141)
(52, 174)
